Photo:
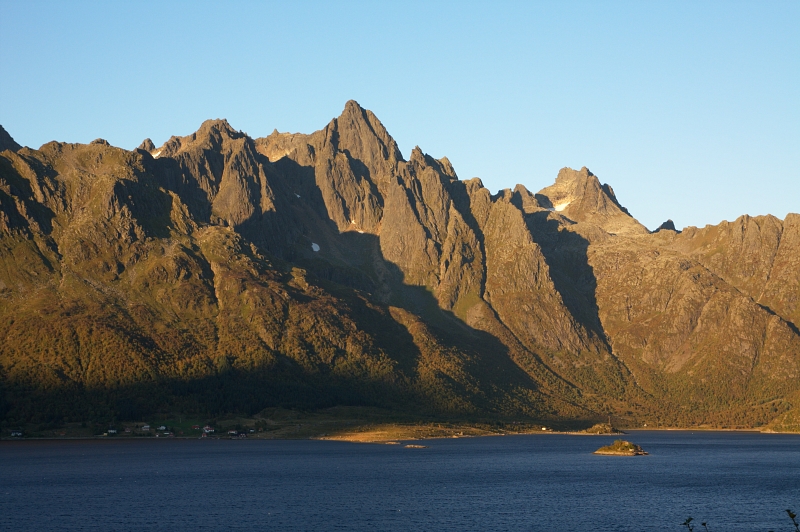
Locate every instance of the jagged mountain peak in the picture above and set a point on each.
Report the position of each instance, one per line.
(525, 200)
(147, 145)
(360, 132)
(213, 131)
(569, 181)
(579, 195)
(7, 142)
(447, 167)
(356, 132)
(210, 135)
(443, 165)
(669, 225)
(217, 124)
(419, 157)
(353, 106)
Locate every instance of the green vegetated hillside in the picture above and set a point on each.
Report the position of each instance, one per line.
(220, 273)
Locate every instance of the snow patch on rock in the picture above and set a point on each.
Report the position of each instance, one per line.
(277, 156)
(561, 206)
(314, 246)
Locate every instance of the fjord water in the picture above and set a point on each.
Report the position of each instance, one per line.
(734, 481)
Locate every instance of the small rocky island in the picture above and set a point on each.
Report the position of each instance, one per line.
(621, 448)
(602, 428)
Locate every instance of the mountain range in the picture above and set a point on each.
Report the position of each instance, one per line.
(224, 273)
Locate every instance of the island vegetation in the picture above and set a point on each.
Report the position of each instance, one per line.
(621, 448)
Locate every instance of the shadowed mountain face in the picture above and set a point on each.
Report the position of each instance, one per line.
(222, 273)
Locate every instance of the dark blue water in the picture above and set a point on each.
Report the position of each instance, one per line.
(734, 481)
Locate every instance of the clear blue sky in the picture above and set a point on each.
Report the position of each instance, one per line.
(690, 110)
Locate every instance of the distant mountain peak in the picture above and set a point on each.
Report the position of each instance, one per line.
(212, 134)
(147, 145)
(217, 124)
(669, 225)
(417, 154)
(353, 105)
(579, 195)
(359, 131)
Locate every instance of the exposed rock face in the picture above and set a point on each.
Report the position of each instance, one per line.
(147, 145)
(326, 269)
(348, 160)
(579, 196)
(669, 225)
(687, 334)
(220, 168)
(6, 142)
(758, 256)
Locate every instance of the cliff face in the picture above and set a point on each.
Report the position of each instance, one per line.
(580, 197)
(325, 269)
(686, 334)
(758, 256)
(7, 142)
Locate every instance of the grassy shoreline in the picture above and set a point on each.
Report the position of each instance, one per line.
(354, 424)
(354, 431)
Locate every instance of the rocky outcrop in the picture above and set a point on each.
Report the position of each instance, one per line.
(7, 142)
(669, 225)
(579, 196)
(757, 255)
(350, 159)
(222, 165)
(621, 448)
(147, 145)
